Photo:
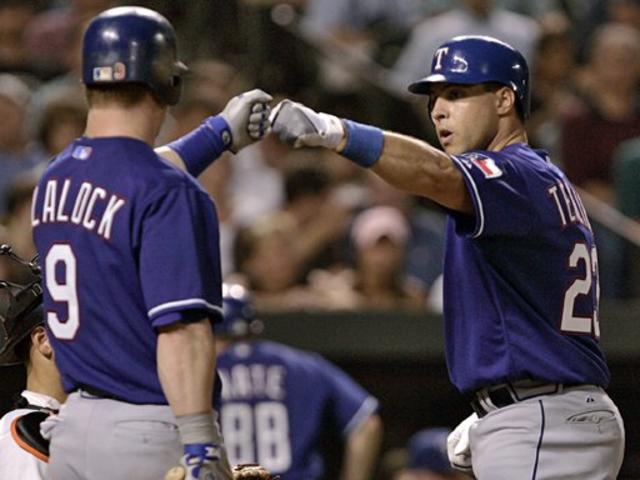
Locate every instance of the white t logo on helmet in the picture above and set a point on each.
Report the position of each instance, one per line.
(441, 52)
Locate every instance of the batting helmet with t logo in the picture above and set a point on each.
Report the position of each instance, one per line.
(470, 60)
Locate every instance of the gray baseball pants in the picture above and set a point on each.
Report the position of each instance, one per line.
(103, 439)
(574, 435)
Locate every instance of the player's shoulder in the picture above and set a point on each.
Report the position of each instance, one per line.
(514, 159)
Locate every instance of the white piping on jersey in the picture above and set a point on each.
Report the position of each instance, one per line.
(365, 411)
(181, 303)
(475, 193)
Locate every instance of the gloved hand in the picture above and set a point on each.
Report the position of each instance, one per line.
(300, 126)
(459, 447)
(248, 118)
(200, 461)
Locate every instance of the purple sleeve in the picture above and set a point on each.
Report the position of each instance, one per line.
(350, 404)
(180, 257)
(500, 196)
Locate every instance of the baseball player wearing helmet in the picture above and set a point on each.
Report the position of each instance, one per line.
(23, 340)
(130, 255)
(520, 268)
(278, 401)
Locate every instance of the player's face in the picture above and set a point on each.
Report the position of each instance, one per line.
(465, 117)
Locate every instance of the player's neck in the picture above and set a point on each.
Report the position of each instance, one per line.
(515, 133)
(140, 123)
(44, 378)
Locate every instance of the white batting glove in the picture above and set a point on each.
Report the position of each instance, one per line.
(459, 447)
(300, 126)
(248, 118)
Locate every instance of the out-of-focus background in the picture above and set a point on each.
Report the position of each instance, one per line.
(338, 261)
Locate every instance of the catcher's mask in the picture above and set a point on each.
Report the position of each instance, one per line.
(20, 308)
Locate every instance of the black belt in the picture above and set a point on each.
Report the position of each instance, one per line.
(96, 392)
(492, 398)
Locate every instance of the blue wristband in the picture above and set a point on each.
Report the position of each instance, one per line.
(199, 148)
(364, 143)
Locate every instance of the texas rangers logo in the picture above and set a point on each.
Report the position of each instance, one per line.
(458, 64)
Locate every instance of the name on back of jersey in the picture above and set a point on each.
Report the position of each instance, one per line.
(246, 381)
(87, 206)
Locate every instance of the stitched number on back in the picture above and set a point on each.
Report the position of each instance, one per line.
(572, 323)
(266, 424)
(60, 281)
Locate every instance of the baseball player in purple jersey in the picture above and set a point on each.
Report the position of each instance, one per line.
(278, 401)
(520, 267)
(129, 249)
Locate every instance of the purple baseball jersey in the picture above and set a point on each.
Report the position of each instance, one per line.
(277, 402)
(520, 276)
(128, 243)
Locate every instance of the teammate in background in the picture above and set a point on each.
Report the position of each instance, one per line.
(276, 401)
(427, 457)
(130, 256)
(520, 268)
(23, 339)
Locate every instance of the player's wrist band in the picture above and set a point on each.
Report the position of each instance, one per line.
(364, 143)
(199, 148)
(196, 428)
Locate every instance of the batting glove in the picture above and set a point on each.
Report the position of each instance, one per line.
(248, 118)
(300, 126)
(200, 461)
(459, 446)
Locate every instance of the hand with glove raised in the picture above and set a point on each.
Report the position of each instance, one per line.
(301, 126)
(244, 120)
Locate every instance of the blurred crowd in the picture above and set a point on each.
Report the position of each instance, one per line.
(308, 230)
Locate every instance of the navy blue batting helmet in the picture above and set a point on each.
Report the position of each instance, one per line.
(239, 317)
(133, 45)
(427, 450)
(470, 60)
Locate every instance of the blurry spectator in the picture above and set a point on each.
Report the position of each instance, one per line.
(379, 236)
(50, 35)
(215, 82)
(14, 17)
(271, 268)
(62, 120)
(471, 17)
(606, 111)
(17, 222)
(424, 458)
(552, 80)
(15, 154)
(425, 246)
(319, 220)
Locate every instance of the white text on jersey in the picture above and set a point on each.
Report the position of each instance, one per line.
(253, 381)
(569, 205)
(56, 208)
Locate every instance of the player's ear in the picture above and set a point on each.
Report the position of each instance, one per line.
(40, 341)
(505, 100)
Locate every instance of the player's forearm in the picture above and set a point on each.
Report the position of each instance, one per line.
(362, 449)
(186, 366)
(420, 169)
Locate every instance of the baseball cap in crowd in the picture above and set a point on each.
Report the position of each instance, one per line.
(375, 223)
(427, 450)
